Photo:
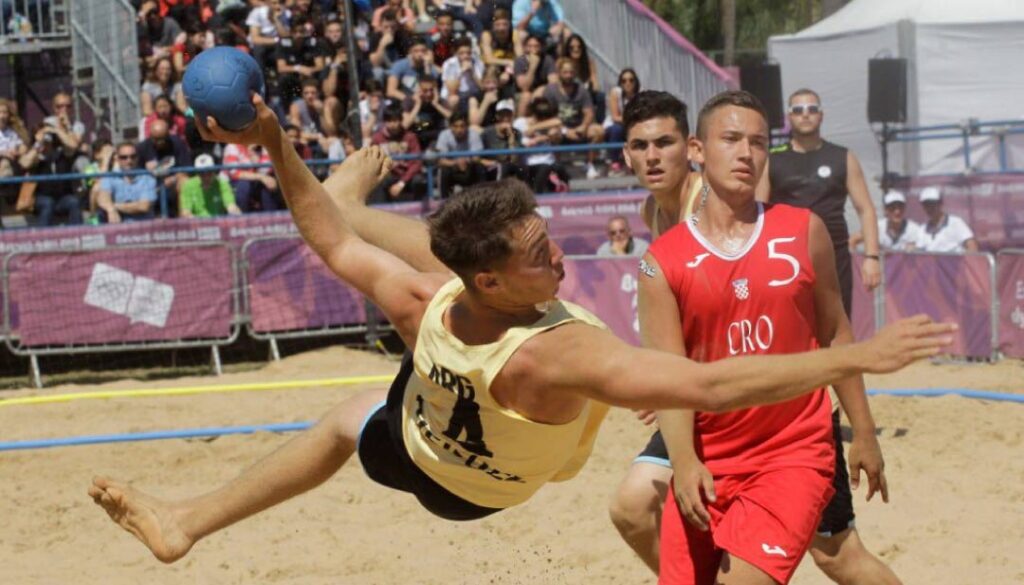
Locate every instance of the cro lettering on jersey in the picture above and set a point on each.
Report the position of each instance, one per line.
(747, 336)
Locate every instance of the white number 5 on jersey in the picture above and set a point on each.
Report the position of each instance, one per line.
(780, 256)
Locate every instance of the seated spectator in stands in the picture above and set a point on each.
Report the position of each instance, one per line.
(459, 171)
(464, 10)
(534, 69)
(294, 133)
(129, 198)
(502, 136)
(405, 74)
(12, 147)
(424, 114)
(72, 132)
(618, 97)
(163, 109)
(461, 75)
(541, 127)
(487, 10)
(896, 233)
(576, 111)
(339, 147)
(267, 22)
(543, 18)
(255, 189)
(104, 159)
(307, 113)
(197, 39)
(162, 81)
(943, 232)
(621, 241)
(207, 194)
(299, 59)
(51, 154)
(335, 77)
(311, 11)
(163, 151)
(575, 49)
(388, 46)
(404, 15)
(371, 108)
(483, 108)
(405, 182)
(442, 39)
(501, 44)
(157, 33)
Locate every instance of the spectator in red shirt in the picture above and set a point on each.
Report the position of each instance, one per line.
(255, 189)
(405, 183)
(163, 109)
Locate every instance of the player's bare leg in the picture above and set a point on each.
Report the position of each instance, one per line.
(845, 560)
(636, 509)
(735, 571)
(170, 529)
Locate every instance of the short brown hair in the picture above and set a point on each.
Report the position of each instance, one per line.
(804, 91)
(740, 99)
(471, 231)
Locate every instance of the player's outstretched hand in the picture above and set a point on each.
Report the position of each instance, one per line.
(263, 130)
(901, 343)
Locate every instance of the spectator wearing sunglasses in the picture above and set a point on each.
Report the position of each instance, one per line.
(621, 241)
(128, 198)
(813, 173)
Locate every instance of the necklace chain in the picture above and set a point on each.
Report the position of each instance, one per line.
(695, 218)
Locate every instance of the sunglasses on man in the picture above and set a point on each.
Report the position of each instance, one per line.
(801, 109)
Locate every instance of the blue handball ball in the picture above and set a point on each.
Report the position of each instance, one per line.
(220, 82)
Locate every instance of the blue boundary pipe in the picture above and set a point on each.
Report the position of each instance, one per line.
(300, 426)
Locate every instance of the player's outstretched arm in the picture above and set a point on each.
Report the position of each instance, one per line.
(597, 364)
(400, 291)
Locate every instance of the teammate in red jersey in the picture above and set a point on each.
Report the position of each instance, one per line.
(740, 278)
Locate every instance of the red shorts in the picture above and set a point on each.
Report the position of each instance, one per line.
(767, 519)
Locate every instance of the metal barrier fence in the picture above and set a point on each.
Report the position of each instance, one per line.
(32, 21)
(1009, 302)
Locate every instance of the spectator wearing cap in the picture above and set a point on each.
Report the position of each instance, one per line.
(405, 183)
(943, 232)
(896, 233)
(502, 136)
(404, 75)
(621, 241)
(459, 171)
(208, 194)
(423, 113)
(461, 75)
(128, 198)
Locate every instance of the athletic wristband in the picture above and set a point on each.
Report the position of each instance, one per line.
(872, 256)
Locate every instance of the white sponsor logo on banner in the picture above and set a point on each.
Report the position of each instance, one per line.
(139, 298)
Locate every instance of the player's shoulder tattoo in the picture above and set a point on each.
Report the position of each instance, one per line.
(647, 269)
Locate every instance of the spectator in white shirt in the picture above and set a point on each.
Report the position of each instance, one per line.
(943, 232)
(461, 75)
(896, 233)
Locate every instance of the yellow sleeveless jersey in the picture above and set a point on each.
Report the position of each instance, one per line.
(688, 208)
(457, 433)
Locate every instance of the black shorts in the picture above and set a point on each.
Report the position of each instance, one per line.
(382, 452)
(844, 270)
(838, 514)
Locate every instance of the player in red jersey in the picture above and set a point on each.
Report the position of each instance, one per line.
(741, 278)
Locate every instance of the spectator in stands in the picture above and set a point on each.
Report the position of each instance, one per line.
(424, 114)
(12, 147)
(255, 189)
(71, 132)
(197, 39)
(405, 73)
(461, 74)
(405, 182)
(129, 198)
(442, 41)
(464, 10)
(267, 22)
(309, 10)
(388, 46)
(299, 58)
(371, 108)
(543, 18)
(207, 194)
(404, 15)
(162, 81)
(307, 114)
(52, 154)
(896, 233)
(541, 127)
(501, 136)
(163, 109)
(335, 76)
(501, 44)
(534, 69)
(943, 232)
(575, 49)
(459, 171)
(163, 151)
(625, 90)
(104, 159)
(576, 111)
(157, 33)
(294, 133)
(483, 108)
(621, 241)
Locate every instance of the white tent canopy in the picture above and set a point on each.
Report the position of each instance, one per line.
(965, 60)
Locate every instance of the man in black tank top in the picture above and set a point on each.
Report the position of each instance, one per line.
(813, 173)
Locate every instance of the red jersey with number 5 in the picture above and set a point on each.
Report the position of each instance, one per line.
(759, 300)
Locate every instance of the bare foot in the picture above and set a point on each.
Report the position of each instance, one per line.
(357, 176)
(154, 522)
